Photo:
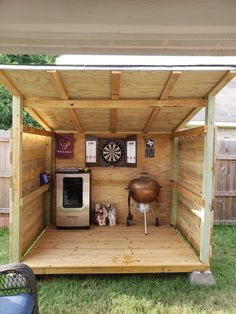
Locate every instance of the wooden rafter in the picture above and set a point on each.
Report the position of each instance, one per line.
(30, 130)
(182, 124)
(115, 95)
(7, 83)
(75, 119)
(151, 119)
(169, 86)
(225, 79)
(115, 90)
(173, 78)
(58, 84)
(34, 114)
(109, 103)
(63, 95)
(191, 132)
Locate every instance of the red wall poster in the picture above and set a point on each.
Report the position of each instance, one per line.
(64, 145)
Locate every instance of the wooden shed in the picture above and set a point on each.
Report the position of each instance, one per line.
(114, 102)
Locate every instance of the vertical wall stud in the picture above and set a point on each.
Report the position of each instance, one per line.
(207, 218)
(175, 170)
(16, 180)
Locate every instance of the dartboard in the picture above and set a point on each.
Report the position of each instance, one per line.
(112, 152)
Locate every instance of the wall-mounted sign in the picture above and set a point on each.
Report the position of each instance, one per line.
(91, 151)
(149, 148)
(64, 145)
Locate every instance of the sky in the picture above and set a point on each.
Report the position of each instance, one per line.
(143, 60)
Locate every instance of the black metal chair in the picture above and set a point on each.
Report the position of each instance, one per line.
(18, 293)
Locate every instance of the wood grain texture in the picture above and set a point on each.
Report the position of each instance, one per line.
(112, 250)
(33, 221)
(190, 177)
(34, 160)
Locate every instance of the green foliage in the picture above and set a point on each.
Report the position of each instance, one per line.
(151, 294)
(5, 97)
(27, 59)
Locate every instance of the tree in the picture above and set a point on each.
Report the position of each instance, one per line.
(5, 96)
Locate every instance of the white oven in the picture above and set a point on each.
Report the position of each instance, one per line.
(73, 199)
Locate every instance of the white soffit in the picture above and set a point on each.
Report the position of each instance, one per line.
(180, 27)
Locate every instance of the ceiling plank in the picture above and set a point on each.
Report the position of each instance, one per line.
(58, 85)
(75, 119)
(34, 114)
(225, 79)
(151, 119)
(7, 83)
(109, 103)
(182, 124)
(173, 78)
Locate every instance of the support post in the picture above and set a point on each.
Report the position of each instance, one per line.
(16, 180)
(207, 218)
(175, 170)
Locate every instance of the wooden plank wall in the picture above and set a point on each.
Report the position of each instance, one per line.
(225, 179)
(108, 184)
(33, 213)
(5, 173)
(188, 219)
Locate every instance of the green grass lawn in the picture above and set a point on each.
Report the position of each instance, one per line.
(143, 293)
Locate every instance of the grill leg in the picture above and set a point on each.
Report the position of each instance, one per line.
(145, 222)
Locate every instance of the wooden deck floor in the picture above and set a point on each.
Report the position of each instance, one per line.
(112, 250)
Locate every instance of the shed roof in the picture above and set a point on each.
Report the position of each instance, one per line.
(114, 99)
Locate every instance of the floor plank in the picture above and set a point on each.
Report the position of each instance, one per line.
(117, 249)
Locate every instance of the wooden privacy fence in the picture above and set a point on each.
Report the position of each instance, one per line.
(225, 176)
(5, 173)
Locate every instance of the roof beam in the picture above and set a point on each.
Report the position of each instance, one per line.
(151, 119)
(75, 119)
(58, 84)
(173, 78)
(182, 124)
(115, 95)
(169, 86)
(109, 103)
(7, 83)
(63, 95)
(225, 79)
(115, 84)
(30, 130)
(34, 114)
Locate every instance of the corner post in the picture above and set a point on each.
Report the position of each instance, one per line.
(207, 186)
(175, 171)
(16, 180)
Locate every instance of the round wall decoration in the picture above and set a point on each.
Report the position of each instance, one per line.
(112, 152)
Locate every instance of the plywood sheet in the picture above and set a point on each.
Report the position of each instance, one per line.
(192, 83)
